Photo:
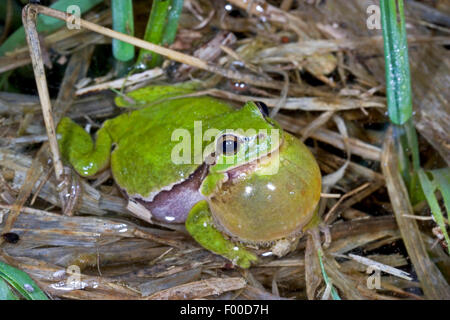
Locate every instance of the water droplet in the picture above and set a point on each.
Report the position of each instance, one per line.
(271, 186)
(28, 287)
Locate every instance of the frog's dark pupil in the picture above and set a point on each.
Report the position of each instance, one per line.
(229, 146)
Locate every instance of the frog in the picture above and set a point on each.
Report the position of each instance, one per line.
(240, 184)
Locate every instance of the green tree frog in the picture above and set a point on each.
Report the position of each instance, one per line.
(232, 176)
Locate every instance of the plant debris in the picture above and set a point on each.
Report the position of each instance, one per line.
(320, 70)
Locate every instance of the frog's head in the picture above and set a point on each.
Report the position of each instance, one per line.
(270, 189)
(247, 136)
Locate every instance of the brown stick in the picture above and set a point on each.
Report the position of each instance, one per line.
(29, 15)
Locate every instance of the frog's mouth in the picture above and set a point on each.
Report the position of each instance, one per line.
(173, 205)
(243, 170)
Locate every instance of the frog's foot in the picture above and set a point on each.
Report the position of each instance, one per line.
(200, 225)
(77, 147)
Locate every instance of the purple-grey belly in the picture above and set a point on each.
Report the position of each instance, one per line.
(173, 206)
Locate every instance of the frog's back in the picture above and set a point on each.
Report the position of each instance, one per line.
(142, 160)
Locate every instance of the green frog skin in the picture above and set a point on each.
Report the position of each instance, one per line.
(250, 188)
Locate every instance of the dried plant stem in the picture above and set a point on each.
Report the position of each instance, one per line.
(122, 82)
(25, 209)
(433, 283)
(383, 267)
(29, 22)
(200, 289)
(330, 215)
(357, 146)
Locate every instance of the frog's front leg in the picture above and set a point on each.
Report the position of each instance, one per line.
(77, 147)
(200, 225)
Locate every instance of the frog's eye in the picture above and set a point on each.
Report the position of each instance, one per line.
(263, 108)
(228, 144)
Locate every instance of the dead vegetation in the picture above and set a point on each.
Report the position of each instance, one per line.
(321, 71)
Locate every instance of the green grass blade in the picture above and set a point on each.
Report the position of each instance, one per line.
(22, 282)
(45, 24)
(334, 293)
(172, 22)
(398, 94)
(123, 21)
(442, 180)
(398, 82)
(154, 32)
(6, 293)
(429, 187)
(161, 29)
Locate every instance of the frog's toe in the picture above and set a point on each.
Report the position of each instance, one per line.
(245, 259)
